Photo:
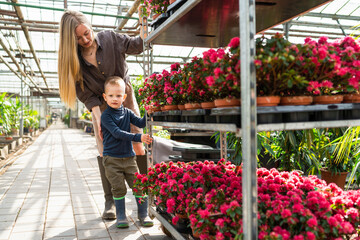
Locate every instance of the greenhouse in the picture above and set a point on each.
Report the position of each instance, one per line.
(180, 119)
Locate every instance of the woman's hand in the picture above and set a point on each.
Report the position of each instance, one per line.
(142, 22)
(97, 114)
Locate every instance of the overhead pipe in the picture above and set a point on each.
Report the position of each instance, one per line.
(16, 4)
(27, 36)
(7, 13)
(131, 11)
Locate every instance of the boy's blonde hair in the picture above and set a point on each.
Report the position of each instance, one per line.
(69, 70)
(115, 81)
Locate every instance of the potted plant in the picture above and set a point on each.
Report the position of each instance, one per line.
(277, 72)
(156, 7)
(224, 80)
(335, 167)
(324, 92)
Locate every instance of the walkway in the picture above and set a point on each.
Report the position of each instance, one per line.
(53, 191)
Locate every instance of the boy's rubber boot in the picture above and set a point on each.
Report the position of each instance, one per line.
(109, 211)
(121, 220)
(143, 217)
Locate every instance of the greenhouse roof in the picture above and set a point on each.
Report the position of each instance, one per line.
(29, 36)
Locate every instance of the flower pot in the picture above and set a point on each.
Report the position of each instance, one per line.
(181, 107)
(195, 232)
(191, 106)
(351, 98)
(170, 107)
(267, 101)
(339, 179)
(227, 102)
(8, 138)
(172, 1)
(156, 109)
(207, 105)
(328, 99)
(154, 16)
(296, 100)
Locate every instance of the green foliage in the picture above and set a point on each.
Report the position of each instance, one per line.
(163, 134)
(137, 84)
(67, 119)
(5, 114)
(31, 118)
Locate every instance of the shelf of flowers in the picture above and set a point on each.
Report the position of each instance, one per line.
(204, 199)
(285, 72)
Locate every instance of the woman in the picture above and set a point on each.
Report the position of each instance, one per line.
(85, 60)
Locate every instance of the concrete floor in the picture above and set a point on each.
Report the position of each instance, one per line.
(53, 191)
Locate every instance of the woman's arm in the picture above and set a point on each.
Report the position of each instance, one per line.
(97, 114)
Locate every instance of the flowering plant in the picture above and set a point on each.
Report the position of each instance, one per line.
(325, 87)
(224, 68)
(152, 92)
(289, 206)
(331, 67)
(155, 6)
(276, 73)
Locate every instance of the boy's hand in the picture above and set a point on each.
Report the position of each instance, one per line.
(145, 138)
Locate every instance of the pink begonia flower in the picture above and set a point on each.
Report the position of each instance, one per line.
(322, 53)
(262, 235)
(234, 43)
(144, 180)
(204, 214)
(210, 80)
(170, 203)
(347, 228)
(327, 84)
(175, 220)
(332, 221)
(342, 71)
(312, 222)
(220, 223)
(219, 236)
(217, 72)
(169, 100)
(220, 53)
(286, 213)
(310, 236)
(298, 237)
(354, 83)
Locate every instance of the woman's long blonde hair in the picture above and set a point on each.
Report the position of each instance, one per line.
(69, 70)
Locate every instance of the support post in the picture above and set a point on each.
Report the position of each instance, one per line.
(248, 118)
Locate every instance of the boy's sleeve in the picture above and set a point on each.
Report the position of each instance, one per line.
(117, 133)
(137, 121)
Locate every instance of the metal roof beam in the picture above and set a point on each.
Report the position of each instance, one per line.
(332, 16)
(17, 65)
(323, 25)
(50, 23)
(128, 14)
(27, 36)
(131, 33)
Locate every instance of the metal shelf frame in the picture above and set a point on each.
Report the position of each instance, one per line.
(272, 13)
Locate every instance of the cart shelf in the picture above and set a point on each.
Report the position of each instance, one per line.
(212, 23)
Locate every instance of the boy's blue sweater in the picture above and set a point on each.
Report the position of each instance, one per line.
(115, 126)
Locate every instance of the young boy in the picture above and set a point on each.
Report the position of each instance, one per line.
(119, 156)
